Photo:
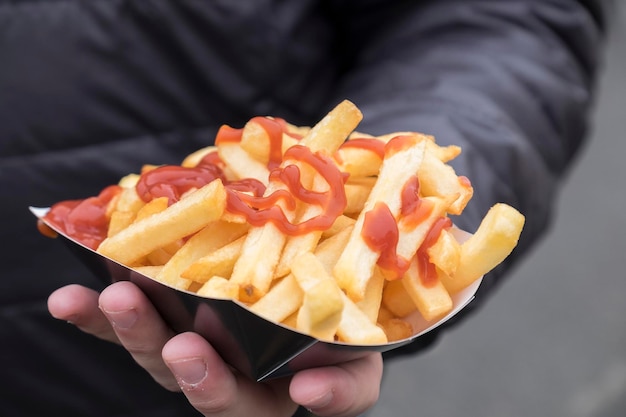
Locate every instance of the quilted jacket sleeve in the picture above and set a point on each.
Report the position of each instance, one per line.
(510, 82)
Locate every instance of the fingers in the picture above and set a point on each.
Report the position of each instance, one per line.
(214, 389)
(139, 328)
(79, 306)
(344, 390)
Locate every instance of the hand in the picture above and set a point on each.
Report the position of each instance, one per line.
(187, 362)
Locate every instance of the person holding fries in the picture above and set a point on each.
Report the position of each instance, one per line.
(93, 90)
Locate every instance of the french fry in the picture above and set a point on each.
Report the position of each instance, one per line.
(193, 159)
(356, 327)
(150, 270)
(430, 296)
(439, 179)
(396, 300)
(356, 264)
(357, 194)
(154, 206)
(495, 239)
(220, 288)
(322, 306)
(445, 253)
(370, 304)
(213, 236)
(257, 141)
(241, 163)
(281, 301)
(179, 220)
(330, 132)
(120, 220)
(397, 329)
(219, 262)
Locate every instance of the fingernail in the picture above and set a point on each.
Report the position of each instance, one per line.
(189, 371)
(321, 401)
(122, 319)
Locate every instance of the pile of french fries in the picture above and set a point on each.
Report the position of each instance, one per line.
(365, 242)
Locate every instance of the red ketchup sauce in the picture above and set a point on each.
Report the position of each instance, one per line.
(84, 220)
(380, 233)
(260, 210)
(427, 270)
(370, 144)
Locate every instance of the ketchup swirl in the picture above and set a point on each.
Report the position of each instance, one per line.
(261, 210)
(173, 181)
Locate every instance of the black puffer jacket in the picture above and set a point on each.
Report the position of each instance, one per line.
(91, 90)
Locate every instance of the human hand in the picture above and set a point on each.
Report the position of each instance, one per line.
(124, 315)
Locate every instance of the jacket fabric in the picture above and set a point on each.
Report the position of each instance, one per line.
(91, 90)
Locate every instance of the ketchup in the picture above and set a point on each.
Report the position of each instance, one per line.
(380, 232)
(370, 144)
(427, 270)
(261, 210)
(84, 220)
(173, 181)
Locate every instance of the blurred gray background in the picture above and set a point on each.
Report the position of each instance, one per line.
(552, 341)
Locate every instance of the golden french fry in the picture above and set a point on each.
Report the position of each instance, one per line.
(213, 236)
(150, 270)
(158, 256)
(281, 301)
(330, 132)
(396, 300)
(439, 179)
(322, 306)
(128, 200)
(220, 288)
(260, 253)
(194, 158)
(154, 206)
(356, 327)
(257, 141)
(356, 264)
(494, 240)
(219, 262)
(357, 194)
(182, 219)
(397, 329)
(429, 295)
(120, 220)
(129, 181)
(321, 310)
(384, 314)
(359, 161)
(443, 153)
(412, 233)
(370, 304)
(341, 223)
(290, 321)
(445, 253)
(328, 251)
(241, 163)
